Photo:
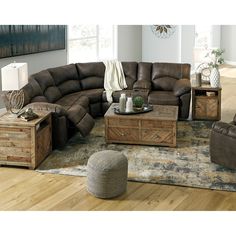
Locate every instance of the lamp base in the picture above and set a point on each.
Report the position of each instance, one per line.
(16, 101)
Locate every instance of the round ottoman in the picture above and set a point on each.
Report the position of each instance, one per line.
(107, 174)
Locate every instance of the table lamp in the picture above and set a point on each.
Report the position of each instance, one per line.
(14, 77)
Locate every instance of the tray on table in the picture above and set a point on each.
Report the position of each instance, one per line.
(146, 108)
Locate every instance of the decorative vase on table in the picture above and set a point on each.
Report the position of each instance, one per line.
(215, 78)
(122, 102)
(129, 105)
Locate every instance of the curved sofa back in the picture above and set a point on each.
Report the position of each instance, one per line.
(52, 84)
(91, 75)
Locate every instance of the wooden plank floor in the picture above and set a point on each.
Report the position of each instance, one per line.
(22, 189)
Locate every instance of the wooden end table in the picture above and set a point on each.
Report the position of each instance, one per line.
(157, 127)
(25, 143)
(206, 103)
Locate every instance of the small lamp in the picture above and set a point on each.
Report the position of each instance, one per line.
(14, 77)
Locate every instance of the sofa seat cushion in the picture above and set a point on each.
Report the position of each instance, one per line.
(73, 99)
(163, 98)
(116, 95)
(94, 95)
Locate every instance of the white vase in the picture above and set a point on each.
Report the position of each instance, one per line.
(215, 78)
(122, 102)
(129, 105)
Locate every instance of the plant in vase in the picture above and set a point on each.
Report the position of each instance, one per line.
(138, 103)
(215, 59)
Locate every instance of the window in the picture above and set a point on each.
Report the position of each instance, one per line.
(203, 39)
(203, 35)
(87, 43)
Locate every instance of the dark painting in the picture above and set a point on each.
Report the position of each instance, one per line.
(16, 40)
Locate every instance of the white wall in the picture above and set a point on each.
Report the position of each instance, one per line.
(228, 42)
(177, 48)
(156, 49)
(187, 43)
(129, 39)
(216, 36)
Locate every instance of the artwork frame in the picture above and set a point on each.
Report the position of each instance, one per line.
(18, 40)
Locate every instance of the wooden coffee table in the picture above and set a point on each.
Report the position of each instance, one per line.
(157, 127)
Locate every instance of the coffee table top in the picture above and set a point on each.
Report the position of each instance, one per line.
(159, 112)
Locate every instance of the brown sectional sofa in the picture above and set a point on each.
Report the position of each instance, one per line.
(75, 94)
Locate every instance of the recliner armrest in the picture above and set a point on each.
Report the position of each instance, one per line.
(45, 106)
(224, 128)
(142, 84)
(181, 87)
(234, 119)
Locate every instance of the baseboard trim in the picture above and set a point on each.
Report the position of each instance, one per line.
(233, 63)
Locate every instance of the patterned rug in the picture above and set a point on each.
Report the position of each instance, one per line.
(187, 165)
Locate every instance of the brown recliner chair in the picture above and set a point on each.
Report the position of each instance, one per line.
(223, 143)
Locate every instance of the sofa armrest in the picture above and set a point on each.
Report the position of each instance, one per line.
(45, 106)
(142, 84)
(234, 119)
(181, 87)
(224, 128)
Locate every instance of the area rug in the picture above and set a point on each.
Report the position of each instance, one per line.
(187, 165)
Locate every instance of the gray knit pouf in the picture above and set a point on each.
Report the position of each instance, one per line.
(107, 174)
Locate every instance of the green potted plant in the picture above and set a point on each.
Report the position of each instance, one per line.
(138, 103)
(215, 59)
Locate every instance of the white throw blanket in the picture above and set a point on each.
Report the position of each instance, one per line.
(114, 79)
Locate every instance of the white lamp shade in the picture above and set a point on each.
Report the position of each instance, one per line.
(14, 76)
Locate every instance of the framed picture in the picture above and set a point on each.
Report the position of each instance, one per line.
(16, 40)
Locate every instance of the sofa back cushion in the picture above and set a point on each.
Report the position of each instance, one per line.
(175, 70)
(44, 79)
(144, 71)
(52, 94)
(66, 78)
(47, 84)
(91, 75)
(39, 99)
(164, 83)
(31, 90)
(164, 75)
(130, 71)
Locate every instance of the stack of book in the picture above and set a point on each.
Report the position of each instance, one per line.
(28, 116)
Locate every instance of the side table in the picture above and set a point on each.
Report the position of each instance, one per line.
(206, 103)
(25, 143)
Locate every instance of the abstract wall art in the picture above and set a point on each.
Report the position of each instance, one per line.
(16, 40)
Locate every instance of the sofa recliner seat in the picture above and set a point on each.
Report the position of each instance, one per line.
(75, 94)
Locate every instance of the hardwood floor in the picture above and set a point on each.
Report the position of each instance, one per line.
(22, 189)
